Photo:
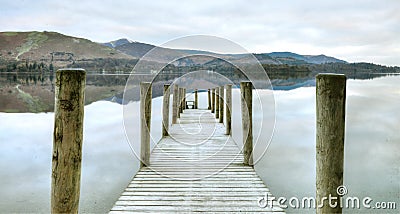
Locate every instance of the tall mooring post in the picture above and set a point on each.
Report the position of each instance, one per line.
(247, 121)
(145, 120)
(330, 106)
(165, 123)
(228, 108)
(67, 140)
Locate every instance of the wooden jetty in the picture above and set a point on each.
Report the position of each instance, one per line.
(196, 166)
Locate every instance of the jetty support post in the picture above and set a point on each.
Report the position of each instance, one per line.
(228, 108)
(145, 119)
(221, 104)
(184, 98)
(209, 99)
(217, 102)
(213, 100)
(67, 140)
(196, 99)
(165, 123)
(330, 110)
(180, 102)
(175, 102)
(247, 121)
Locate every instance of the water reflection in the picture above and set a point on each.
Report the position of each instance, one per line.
(372, 150)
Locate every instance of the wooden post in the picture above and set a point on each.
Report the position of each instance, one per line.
(145, 119)
(184, 98)
(180, 102)
(216, 102)
(228, 107)
(175, 102)
(209, 99)
(165, 124)
(196, 99)
(221, 104)
(330, 107)
(247, 121)
(213, 101)
(67, 140)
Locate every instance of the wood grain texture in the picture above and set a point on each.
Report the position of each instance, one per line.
(67, 140)
(165, 104)
(145, 122)
(247, 121)
(330, 106)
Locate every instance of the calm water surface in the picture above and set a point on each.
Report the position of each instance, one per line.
(372, 149)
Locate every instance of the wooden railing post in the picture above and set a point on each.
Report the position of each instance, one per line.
(213, 101)
(196, 99)
(221, 104)
(165, 104)
(209, 99)
(330, 107)
(175, 102)
(217, 102)
(145, 119)
(228, 107)
(67, 140)
(247, 121)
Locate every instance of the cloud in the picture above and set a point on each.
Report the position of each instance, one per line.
(335, 28)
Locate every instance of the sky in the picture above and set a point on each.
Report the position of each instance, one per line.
(352, 30)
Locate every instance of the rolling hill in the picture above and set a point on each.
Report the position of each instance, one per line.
(62, 50)
(52, 47)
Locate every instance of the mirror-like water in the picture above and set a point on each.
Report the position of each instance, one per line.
(372, 149)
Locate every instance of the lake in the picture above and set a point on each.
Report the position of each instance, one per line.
(372, 149)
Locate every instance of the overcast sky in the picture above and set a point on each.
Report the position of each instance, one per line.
(353, 30)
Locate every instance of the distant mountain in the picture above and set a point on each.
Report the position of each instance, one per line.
(286, 55)
(116, 43)
(52, 47)
(135, 49)
(313, 59)
(322, 59)
(138, 50)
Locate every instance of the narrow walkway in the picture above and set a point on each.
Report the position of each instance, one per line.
(196, 169)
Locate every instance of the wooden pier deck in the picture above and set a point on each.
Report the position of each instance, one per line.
(197, 168)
